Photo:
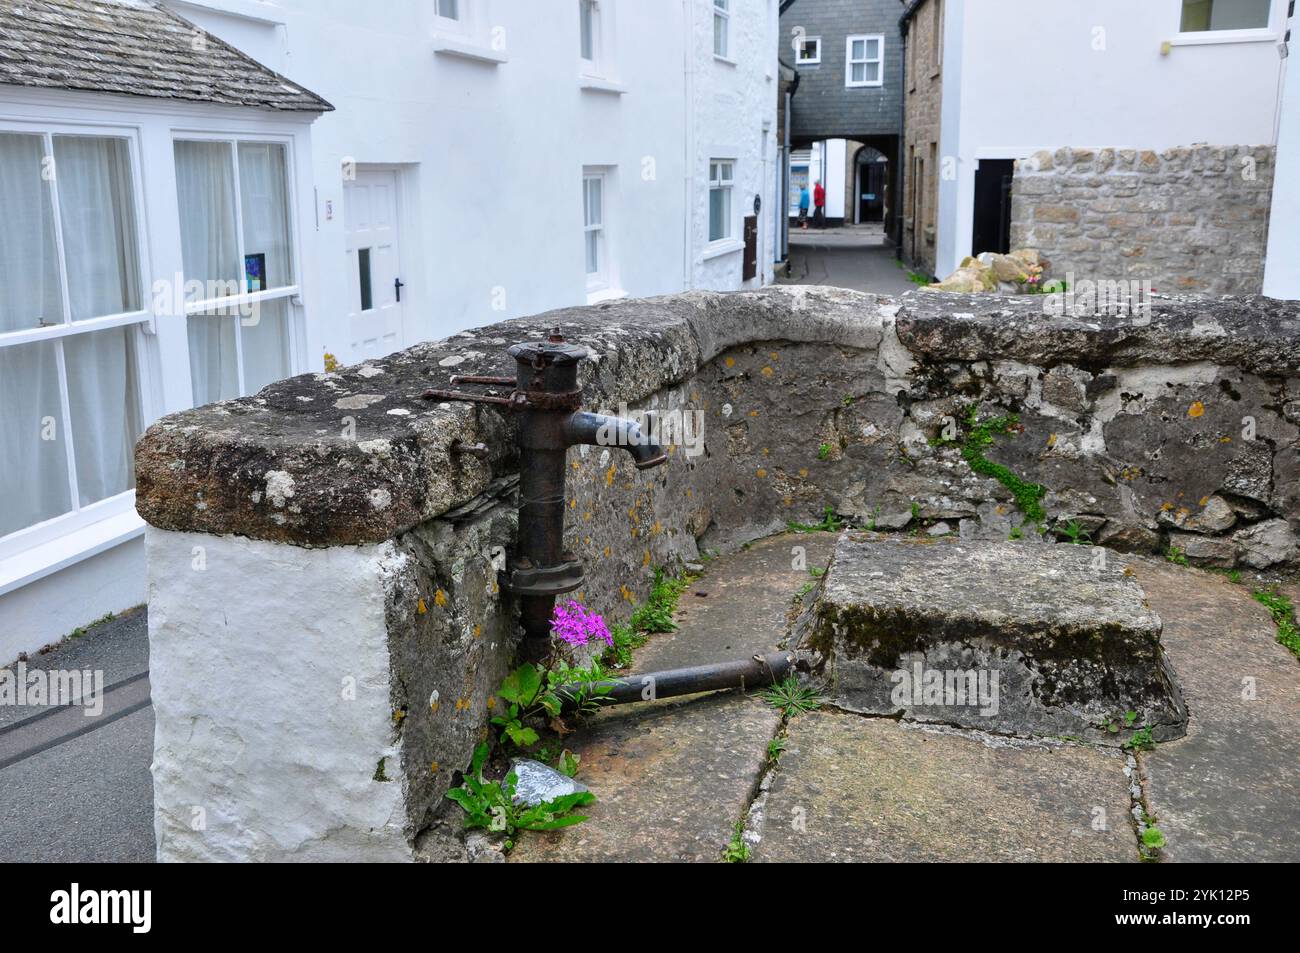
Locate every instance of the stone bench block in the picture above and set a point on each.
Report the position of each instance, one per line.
(1011, 638)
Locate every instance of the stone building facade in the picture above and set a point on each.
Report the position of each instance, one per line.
(848, 56)
(1186, 220)
(922, 101)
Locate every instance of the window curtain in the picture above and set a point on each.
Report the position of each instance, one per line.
(33, 444)
(205, 185)
(105, 409)
(99, 243)
(29, 271)
(33, 471)
(264, 207)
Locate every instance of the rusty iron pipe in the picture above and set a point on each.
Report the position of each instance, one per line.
(757, 672)
(598, 430)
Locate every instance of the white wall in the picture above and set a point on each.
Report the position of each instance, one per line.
(1024, 75)
(734, 115)
(492, 152)
(833, 178)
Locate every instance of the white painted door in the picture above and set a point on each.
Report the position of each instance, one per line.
(374, 261)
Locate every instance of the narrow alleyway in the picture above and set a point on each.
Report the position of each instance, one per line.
(856, 256)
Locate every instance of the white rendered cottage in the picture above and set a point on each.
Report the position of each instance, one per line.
(155, 191)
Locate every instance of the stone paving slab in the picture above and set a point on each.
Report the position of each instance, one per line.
(739, 605)
(1230, 790)
(673, 778)
(671, 781)
(854, 788)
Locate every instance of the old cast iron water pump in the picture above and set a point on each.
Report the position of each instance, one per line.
(547, 398)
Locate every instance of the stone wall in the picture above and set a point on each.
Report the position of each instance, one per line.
(1186, 220)
(922, 104)
(324, 610)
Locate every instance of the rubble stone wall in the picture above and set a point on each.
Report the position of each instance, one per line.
(1188, 220)
(1180, 428)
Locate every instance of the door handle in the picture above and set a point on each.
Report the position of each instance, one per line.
(398, 283)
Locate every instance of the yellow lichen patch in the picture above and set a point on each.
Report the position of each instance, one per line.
(645, 560)
(1196, 410)
(1204, 501)
(606, 552)
(765, 451)
(573, 503)
(761, 473)
(586, 515)
(462, 704)
(1166, 507)
(586, 540)
(440, 598)
(767, 372)
(433, 767)
(1225, 440)
(398, 715)
(1000, 510)
(609, 476)
(730, 362)
(803, 472)
(753, 413)
(656, 528)
(689, 493)
(574, 464)
(626, 593)
(421, 608)
(788, 500)
(774, 355)
(491, 702)
(478, 631)
(433, 706)
(1051, 441)
(635, 532)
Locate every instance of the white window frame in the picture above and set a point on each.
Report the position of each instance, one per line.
(1269, 33)
(290, 294)
(717, 180)
(722, 14)
(591, 64)
(850, 62)
(602, 282)
(21, 541)
(454, 24)
(470, 35)
(801, 45)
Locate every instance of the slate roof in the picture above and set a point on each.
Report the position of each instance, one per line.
(138, 48)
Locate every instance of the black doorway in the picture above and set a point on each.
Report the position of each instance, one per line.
(992, 231)
(871, 190)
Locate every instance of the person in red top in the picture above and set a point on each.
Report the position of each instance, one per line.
(819, 205)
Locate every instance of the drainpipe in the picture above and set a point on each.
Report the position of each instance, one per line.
(688, 82)
(785, 162)
(901, 198)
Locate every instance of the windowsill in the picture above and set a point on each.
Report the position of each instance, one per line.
(717, 58)
(863, 85)
(598, 84)
(465, 48)
(63, 551)
(597, 295)
(1215, 37)
(723, 246)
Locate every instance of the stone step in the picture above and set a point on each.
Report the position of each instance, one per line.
(1005, 637)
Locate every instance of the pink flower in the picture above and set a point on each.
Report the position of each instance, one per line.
(577, 626)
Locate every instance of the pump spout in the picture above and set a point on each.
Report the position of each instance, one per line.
(599, 430)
